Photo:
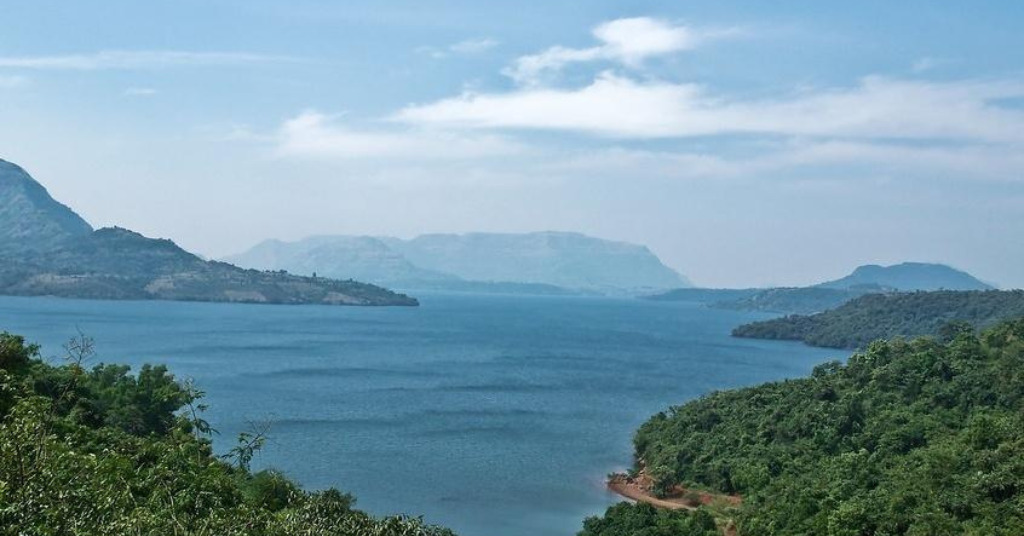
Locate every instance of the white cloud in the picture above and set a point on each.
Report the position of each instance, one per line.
(627, 41)
(139, 92)
(136, 59)
(616, 106)
(316, 135)
(795, 158)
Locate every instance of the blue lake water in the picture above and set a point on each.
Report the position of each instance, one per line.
(493, 415)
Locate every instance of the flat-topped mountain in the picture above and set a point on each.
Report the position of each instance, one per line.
(47, 249)
(532, 262)
(363, 258)
(909, 276)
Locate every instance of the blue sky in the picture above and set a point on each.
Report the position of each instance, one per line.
(747, 143)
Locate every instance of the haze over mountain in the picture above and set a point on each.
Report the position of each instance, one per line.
(48, 249)
(909, 276)
(867, 279)
(541, 261)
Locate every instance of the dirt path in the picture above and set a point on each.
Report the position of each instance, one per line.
(631, 489)
(640, 488)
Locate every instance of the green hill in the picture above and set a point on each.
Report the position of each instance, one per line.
(883, 316)
(49, 250)
(911, 438)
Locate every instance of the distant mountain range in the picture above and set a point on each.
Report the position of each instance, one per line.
(542, 262)
(868, 279)
(48, 249)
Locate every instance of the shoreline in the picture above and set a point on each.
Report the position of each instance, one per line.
(639, 489)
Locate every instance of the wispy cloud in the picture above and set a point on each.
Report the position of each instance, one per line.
(473, 46)
(799, 157)
(137, 59)
(312, 134)
(627, 41)
(466, 47)
(923, 65)
(617, 106)
(139, 92)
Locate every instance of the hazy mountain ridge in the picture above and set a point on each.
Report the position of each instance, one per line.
(545, 262)
(866, 279)
(50, 250)
(909, 276)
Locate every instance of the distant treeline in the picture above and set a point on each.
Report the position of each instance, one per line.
(788, 300)
(920, 437)
(883, 316)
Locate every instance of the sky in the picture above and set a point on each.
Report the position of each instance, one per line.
(747, 143)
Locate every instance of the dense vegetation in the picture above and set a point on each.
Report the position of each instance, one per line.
(918, 438)
(883, 316)
(102, 452)
(642, 519)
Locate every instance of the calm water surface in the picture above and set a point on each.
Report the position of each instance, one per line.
(494, 415)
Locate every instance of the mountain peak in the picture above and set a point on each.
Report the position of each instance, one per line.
(30, 219)
(909, 276)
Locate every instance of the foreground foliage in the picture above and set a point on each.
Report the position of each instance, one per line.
(642, 519)
(103, 452)
(884, 316)
(916, 438)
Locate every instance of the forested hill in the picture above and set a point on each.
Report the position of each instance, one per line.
(921, 437)
(49, 250)
(98, 452)
(882, 316)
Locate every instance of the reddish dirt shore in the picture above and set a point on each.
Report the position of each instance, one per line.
(640, 488)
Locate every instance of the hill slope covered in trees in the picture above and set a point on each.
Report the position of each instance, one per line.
(921, 437)
(49, 250)
(883, 316)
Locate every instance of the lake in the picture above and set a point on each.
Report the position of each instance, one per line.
(493, 415)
